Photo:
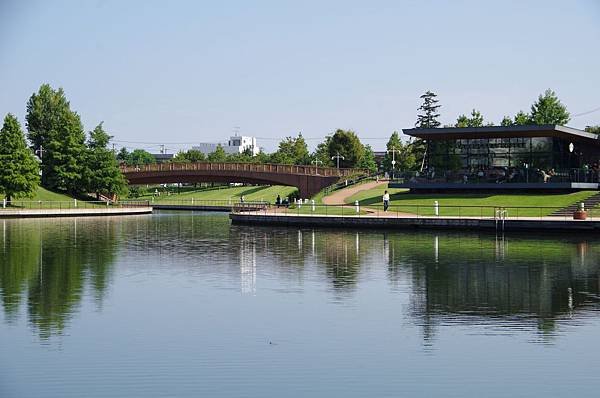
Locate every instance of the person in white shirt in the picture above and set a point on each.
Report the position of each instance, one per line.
(386, 200)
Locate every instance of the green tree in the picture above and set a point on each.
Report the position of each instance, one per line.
(549, 110)
(123, 155)
(139, 157)
(51, 124)
(522, 119)
(393, 144)
(321, 153)
(218, 155)
(506, 121)
(346, 143)
(292, 151)
(593, 129)
(192, 155)
(368, 160)
(180, 157)
(19, 174)
(427, 119)
(102, 174)
(476, 120)
(262, 157)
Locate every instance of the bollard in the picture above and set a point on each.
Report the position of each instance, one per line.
(107, 203)
(4, 203)
(357, 206)
(436, 208)
(299, 201)
(313, 205)
(192, 201)
(75, 202)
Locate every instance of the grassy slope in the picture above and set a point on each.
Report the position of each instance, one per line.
(265, 193)
(403, 201)
(45, 195)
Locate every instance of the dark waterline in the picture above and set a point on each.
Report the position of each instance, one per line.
(185, 304)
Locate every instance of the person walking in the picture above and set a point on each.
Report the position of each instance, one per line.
(386, 200)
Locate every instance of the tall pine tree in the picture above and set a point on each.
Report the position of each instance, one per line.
(102, 174)
(53, 126)
(427, 119)
(549, 110)
(19, 174)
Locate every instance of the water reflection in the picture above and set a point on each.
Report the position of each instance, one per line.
(500, 281)
(48, 266)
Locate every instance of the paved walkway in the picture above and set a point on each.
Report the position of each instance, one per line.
(339, 197)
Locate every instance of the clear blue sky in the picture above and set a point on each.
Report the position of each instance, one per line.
(158, 71)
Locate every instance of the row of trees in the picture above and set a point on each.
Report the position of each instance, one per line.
(291, 150)
(352, 153)
(67, 159)
(70, 161)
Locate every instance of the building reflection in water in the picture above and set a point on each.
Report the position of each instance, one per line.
(248, 266)
(531, 281)
(513, 281)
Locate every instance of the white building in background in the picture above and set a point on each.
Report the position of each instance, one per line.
(236, 144)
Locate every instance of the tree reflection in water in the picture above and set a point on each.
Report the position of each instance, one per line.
(47, 266)
(50, 264)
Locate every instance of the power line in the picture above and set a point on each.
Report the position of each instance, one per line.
(159, 143)
(587, 113)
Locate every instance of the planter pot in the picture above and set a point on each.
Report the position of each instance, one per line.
(580, 215)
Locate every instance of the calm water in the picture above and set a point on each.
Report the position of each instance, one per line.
(182, 304)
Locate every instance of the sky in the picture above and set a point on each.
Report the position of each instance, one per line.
(183, 72)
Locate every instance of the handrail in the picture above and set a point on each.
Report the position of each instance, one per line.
(17, 204)
(249, 167)
(486, 212)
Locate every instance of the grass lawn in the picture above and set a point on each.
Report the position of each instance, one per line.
(44, 194)
(225, 193)
(46, 199)
(483, 204)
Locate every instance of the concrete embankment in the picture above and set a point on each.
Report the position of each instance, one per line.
(192, 207)
(74, 212)
(471, 223)
(200, 207)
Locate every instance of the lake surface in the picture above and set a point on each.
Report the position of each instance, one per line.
(185, 304)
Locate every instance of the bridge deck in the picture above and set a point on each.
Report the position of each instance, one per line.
(245, 167)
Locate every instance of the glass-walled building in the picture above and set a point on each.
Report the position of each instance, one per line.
(497, 154)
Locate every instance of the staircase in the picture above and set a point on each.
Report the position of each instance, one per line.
(589, 203)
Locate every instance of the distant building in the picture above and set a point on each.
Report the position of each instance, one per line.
(162, 157)
(236, 145)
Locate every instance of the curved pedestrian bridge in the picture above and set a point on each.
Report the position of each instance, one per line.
(308, 179)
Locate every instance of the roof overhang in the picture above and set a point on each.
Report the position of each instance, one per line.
(546, 130)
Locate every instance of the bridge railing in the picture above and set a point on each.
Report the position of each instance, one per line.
(69, 204)
(430, 210)
(192, 202)
(247, 167)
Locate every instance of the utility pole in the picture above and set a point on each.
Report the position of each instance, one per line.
(40, 152)
(338, 157)
(393, 151)
(316, 163)
(162, 148)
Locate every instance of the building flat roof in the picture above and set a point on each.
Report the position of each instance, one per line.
(545, 130)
